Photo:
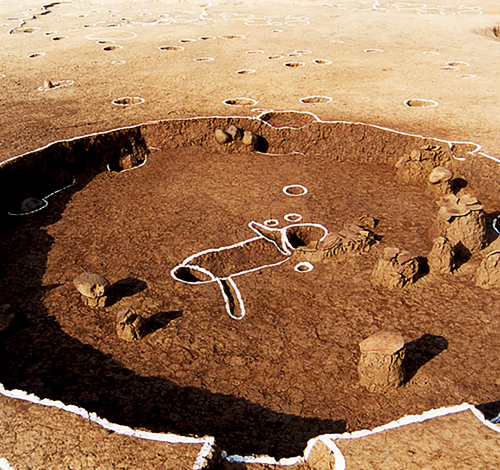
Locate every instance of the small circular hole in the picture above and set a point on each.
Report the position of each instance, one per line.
(294, 64)
(420, 103)
(240, 102)
(128, 101)
(171, 48)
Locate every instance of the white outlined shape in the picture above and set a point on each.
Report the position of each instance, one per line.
(293, 217)
(495, 225)
(187, 40)
(420, 103)
(242, 101)
(322, 61)
(44, 200)
(466, 75)
(128, 101)
(118, 62)
(33, 55)
(2, 75)
(170, 48)
(204, 59)
(303, 267)
(122, 35)
(245, 71)
(457, 63)
(57, 84)
(112, 47)
(271, 222)
(431, 53)
(316, 99)
(303, 190)
(374, 50)
(4, 464)
(255, 51)
(277, 236)
(129, 169)
(294, 65)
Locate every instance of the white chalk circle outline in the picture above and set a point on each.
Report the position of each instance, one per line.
(275, 56)
(206, 38)
(34, 55)
(44, 200)
(232, 36)
(374, 50)
(424, 103)
(431, 53)
(255, 51)
(2, 75)
(293, 217)
(322, 61)
(204, 59)
(303, 51)
(123, 105)
(497, 230)
(457, 63)
(58, 38)
(112, 47)
(245, 71)
(466, 75)
(170, 48)
(271, 222)
(244, 101)
(303, 267)
(187, 40)
(95, 37)
(294, 54)
(294, 65)
(57, 84)
(118, 62)
(320, 99)
(286, 190)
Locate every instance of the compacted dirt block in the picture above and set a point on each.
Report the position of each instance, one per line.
(440, 258)
(397, 268)
(420, 163)
(488, 273)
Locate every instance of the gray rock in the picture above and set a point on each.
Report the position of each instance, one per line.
(31, 204)
(93, 288)
(249, 138)
(235, 132)
(130, 326)
(222, 137)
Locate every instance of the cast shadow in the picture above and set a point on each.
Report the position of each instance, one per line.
(420, 351)
(126, 288)
(490, 410)
(160, 320)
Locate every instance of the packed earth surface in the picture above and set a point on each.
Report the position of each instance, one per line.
(261, 355)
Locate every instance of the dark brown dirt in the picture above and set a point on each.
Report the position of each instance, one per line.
(287, 371)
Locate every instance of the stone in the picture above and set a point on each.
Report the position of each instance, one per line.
(381, 362)
(130, 326)
(395, 269)
(94, 289)
(235, 132)
(488, 274)
(128, 162)
(420, 163)
(441, 256)
(440, 175)
(249, 138)
(6, 316)
(222, 137)
(31, 204)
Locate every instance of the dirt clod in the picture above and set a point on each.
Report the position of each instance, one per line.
(93, 288)
(440, 257)
(129, 325)
(397, 268)
(488, 273)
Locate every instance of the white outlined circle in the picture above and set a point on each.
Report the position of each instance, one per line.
(59, 38)
(171, 48)
(232, 36)
(255, 51)
(245, 71)
(206, 38)
(112, 47)
(275, 56)
(466, 75)
(128, 101)
(122, 35)
(57, 84)
(240, 102)
(431, 53)
(36, 54)
(271, 222)
(2, 75)
(303, 267)
(374, 50)
(420, 103)
(204, 59)
(293, 217)
(294, 64)
(457, 63)
(118, 62)
(322, 61)
(319, 99)
(303, 51)
(295, 190)
(187, 40)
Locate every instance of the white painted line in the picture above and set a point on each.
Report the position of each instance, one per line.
(129, 169)
(4, 464)
(303, 267)
(57, 84)
(287, 189)
(271, 222)
(123, 35)
(293, 217)
(495, 227)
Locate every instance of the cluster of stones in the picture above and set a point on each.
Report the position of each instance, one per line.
(396, 268)
(418, 165)
(235, 134)
(354, 239)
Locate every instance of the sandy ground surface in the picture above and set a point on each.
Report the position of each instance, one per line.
(364, 60)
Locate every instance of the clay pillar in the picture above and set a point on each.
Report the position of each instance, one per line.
(381, 362)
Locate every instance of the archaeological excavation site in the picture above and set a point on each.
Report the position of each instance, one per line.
(259, 235)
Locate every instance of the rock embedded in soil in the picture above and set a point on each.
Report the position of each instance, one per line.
(463, 221)
(441, 256)
(31, 204)
(235, 132)
(488, 274)
(381, 362)
(249, 138)
(130, 326)
(48, 84)
(222, 137)
(440, 175)
(94, 289)
(396, 268)
(420, 163)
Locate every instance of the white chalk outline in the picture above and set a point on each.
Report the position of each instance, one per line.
(285, 247)
(466, 75)
(255, 51)
(118, 62)
(95, 37)
(112, 47)
(43, 199)
(293, 217)
(304, 264)
(130, 169)
(208, 442)
(229, 37)
(294, 64)
(329, 439)
(4, 464)
(187, 40)
(433, 103)
(275, 56)
(245, 71)
(322, 61)
(34, 55)
(473, 153)
(204, 59)
(141, 100)
(271, 222)
(59, 38)
(57, 84)
(328, 99)
(171, 48)
(457, 63)
(494, 223)
(304, 189)
(254, 102)
(374, 50)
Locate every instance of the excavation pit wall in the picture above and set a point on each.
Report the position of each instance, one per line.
(48, 169)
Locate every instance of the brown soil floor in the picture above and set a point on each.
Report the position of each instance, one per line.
(287, 371)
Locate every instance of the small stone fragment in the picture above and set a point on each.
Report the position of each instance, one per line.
(396, 268)
(129, 325)
(128, 162)
(6, 316)
(249, 138)
(31, 204)
(488, 273)
(235, 132)
(440, 175)
(381, 363)
(93, 288)
(222, 137)
(441, 256)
